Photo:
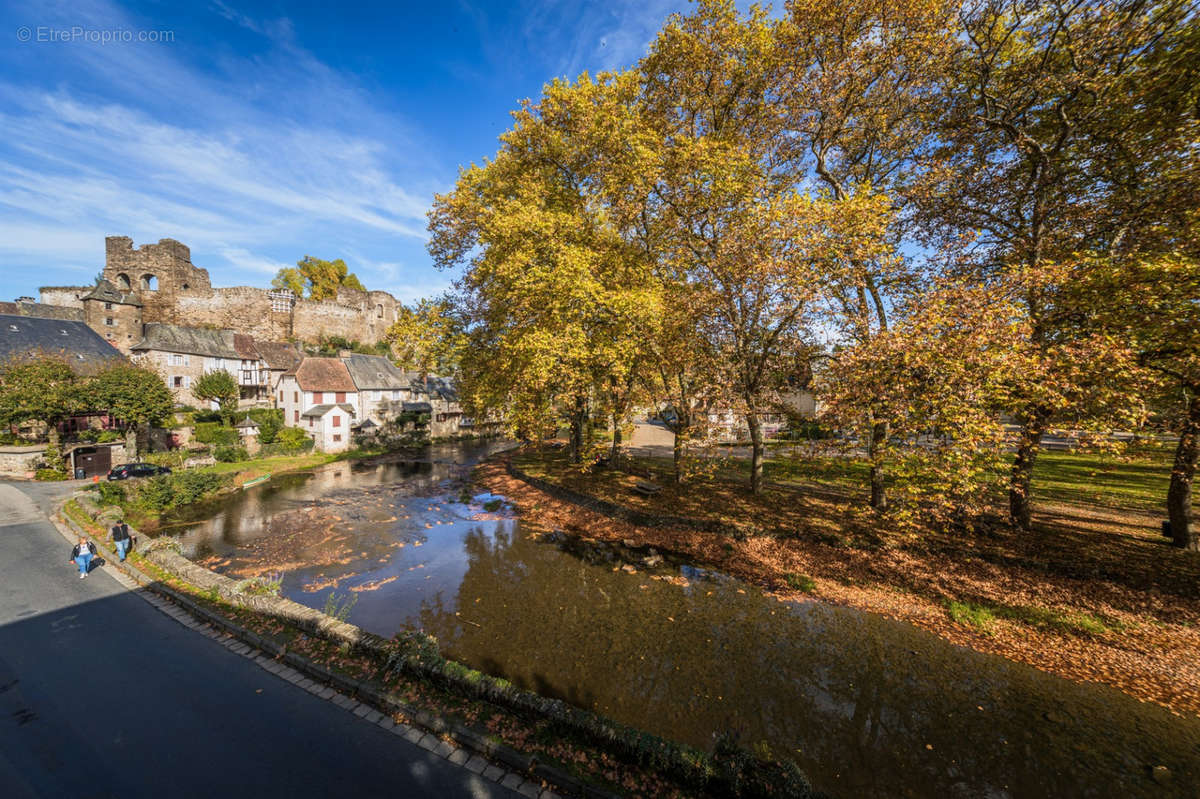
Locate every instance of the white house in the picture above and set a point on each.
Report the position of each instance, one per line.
(320, 398)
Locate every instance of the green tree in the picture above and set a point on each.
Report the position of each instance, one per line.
(132, 395)
(220, 387)
(45, 390)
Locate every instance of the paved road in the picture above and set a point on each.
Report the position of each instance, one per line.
(101, 695)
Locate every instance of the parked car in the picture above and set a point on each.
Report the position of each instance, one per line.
(137, 470)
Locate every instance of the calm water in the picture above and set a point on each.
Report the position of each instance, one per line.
(867, 706)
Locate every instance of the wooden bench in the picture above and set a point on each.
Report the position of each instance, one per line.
(646, 488)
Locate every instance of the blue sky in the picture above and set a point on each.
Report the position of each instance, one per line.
(266, 132)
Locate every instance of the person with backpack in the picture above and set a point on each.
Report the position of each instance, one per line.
(82, 555)
(121, 538)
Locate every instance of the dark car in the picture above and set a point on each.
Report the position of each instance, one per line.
(137, 470)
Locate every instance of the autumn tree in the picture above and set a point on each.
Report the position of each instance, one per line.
(853, 98)
(317, 279)
(427, 338)
(1154, 304)
(550, 289)
(1015, 139)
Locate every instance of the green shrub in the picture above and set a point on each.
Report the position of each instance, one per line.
(110, 493)
(49, 475)
(800, 582)
(269, 421)
(179, 488)
(205, 416)
(228, 454)
(293, 437)
(215, 433)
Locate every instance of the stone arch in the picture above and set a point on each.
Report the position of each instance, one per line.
(149, 282)
(123, 282)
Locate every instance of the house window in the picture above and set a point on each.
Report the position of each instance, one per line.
(175, 360)
(337, 437)
(310, 421)
(297, 418)
(341, 396)
(177, 382)
(337, 421)
(108, 306)
(108, 320)
(281, 396)
(396, 394)
(295, 397)
(318, 397)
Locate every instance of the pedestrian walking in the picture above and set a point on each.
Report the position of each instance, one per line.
(82, 554)
(121, 538)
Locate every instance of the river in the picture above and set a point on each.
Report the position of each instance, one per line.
(865, 705)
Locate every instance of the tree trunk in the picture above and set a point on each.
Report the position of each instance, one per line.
(578, 421)
(756, 452)
(615, 450)
(1019, 487)
(680, 450)
(879, 434)
(1179, 495)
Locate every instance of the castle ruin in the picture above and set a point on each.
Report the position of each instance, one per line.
(158, 283)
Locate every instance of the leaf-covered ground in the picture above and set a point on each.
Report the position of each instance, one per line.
(1092, 593)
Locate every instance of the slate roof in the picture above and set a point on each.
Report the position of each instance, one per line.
(41, 310)
(317, 411)
(189, 340)
(246, 424)
(107, 292)
(278, 355)
(28, 337)
(374, 372)
(435, 387)
(417, 407)
(324, 374)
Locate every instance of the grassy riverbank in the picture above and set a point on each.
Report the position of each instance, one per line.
(1092, 593)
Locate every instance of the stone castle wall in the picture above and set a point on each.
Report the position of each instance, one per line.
(64, 296)
(174, 291)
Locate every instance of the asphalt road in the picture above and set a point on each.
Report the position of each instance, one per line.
(101, 695)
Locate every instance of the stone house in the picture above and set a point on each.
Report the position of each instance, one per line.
(114, 314)
(383, 388)
(445, 412)
(320, 398)
(183, 354)
(278, 358)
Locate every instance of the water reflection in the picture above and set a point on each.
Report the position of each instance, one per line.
(867, 706)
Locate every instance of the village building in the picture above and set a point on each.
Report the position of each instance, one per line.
(441, 396)
(320, 398)
(278, 358)
(27, 337)
(183, 354)
(383, 388)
